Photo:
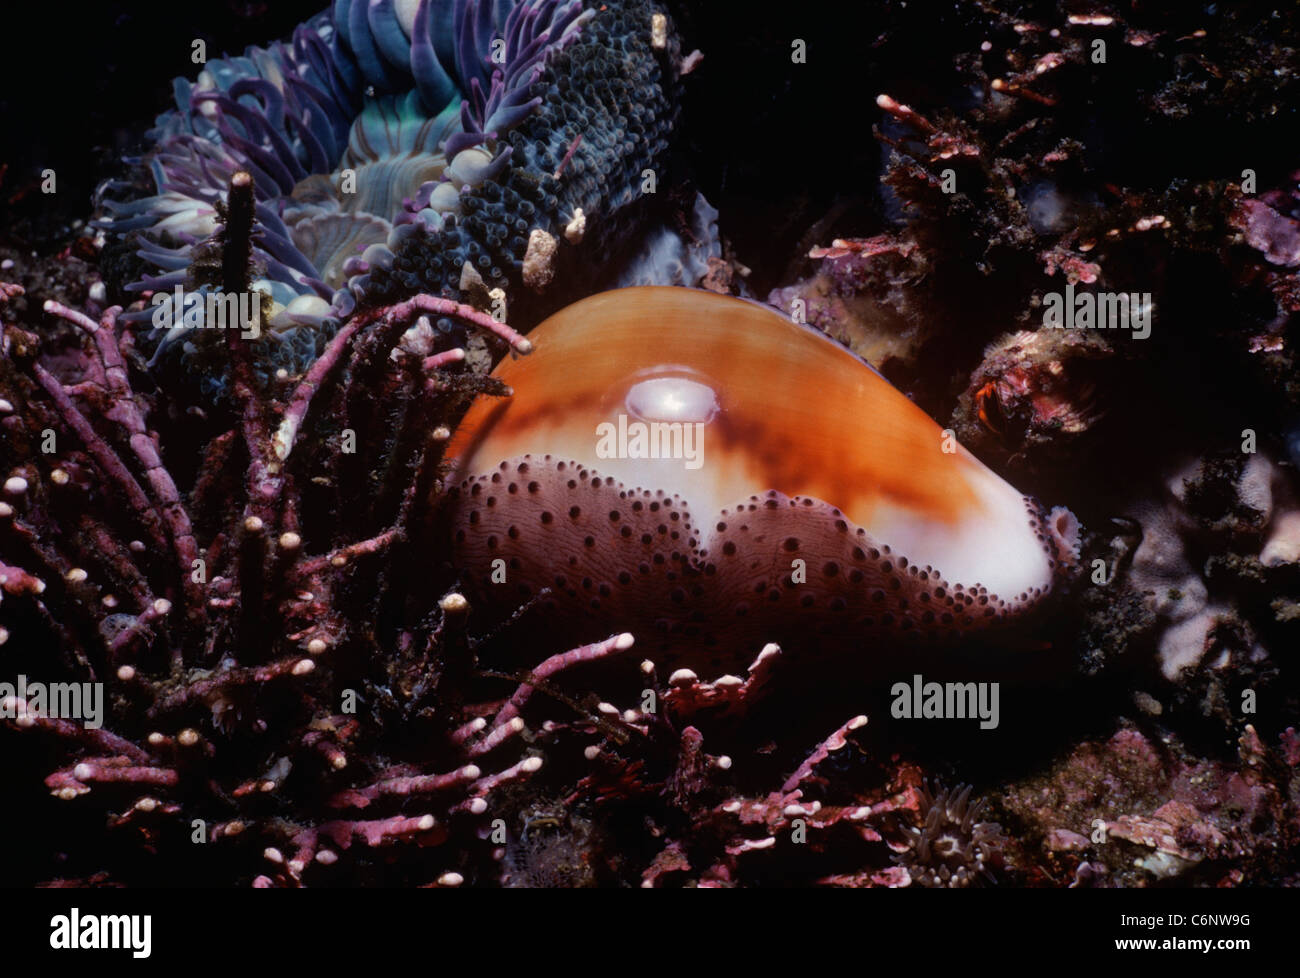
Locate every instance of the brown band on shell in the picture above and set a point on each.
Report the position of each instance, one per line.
(619, 558)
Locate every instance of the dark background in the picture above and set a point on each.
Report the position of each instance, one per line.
(80, 83)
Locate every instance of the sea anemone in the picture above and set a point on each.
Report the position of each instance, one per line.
(405, 147)
(951, 847)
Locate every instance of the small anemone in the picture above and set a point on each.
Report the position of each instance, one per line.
(951, 847)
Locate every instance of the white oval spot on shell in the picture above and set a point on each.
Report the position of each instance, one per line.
(671, 399)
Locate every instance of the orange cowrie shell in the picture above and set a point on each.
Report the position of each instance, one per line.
(796, 497)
